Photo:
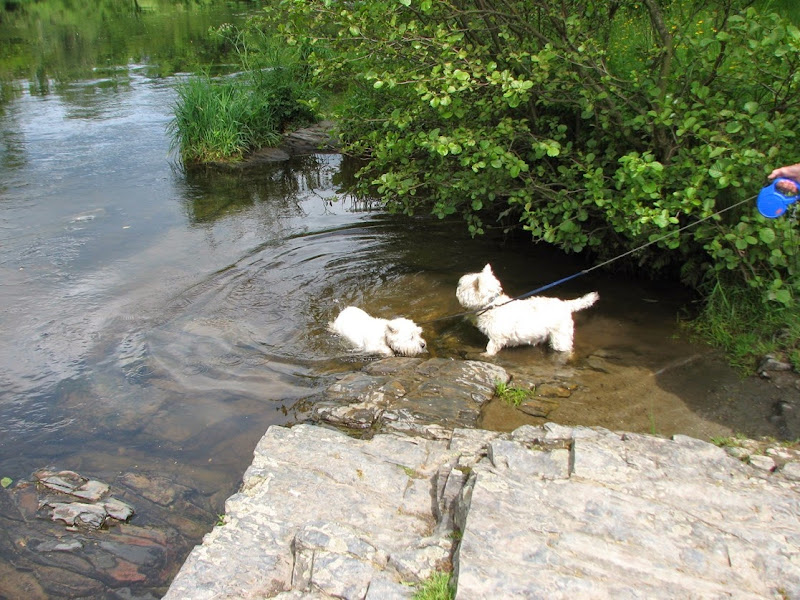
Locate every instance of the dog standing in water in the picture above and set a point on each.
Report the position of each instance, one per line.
(530, 321)
(372, 335)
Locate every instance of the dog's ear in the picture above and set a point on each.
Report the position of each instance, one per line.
(391, 328)
(487, 268)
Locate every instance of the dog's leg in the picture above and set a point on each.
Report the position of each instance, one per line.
(492, 348)
(561, 339)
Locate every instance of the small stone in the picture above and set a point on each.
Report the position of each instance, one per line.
(91, 490)
(538, 407)
(791, 470)
(738, 452)
(779, 453)
(770, 363)
(68, 545)
(117, 509)
(79, 513)
(765, 463)
(63, 481)
(553, 390)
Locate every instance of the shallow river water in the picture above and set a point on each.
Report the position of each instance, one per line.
(160, 321)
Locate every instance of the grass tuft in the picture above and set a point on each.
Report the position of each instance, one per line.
(224, 119)
(436, 587)
(220, 121)
(511, 395)
(741, 323)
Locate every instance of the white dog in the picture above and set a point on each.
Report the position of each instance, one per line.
(372, 335)
(520, 322)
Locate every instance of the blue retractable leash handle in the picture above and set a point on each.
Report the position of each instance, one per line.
(774, 199)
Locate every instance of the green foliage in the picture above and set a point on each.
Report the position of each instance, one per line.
(594, 126)
(747, 326)
(277, 73)
(511, 395)
(436, 587)
(729, 442)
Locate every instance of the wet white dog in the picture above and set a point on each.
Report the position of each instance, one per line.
(372, 335)
(529, 321)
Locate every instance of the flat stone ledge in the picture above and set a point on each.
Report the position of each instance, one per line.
(541, 512)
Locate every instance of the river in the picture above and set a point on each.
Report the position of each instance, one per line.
(158, 321)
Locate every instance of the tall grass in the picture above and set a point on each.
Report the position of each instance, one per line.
(220, 120)
(738, 321)
(225, 119)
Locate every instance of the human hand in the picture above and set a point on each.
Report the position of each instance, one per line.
(789, 171)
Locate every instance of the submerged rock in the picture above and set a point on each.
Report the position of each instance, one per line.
(69, 536)
(68, 485)
(426, 397)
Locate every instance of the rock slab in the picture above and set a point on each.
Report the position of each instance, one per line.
(425, 397)
(541, 512)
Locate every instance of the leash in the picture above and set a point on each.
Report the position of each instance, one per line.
(538, 290)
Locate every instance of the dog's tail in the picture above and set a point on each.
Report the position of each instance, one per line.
(583, 302)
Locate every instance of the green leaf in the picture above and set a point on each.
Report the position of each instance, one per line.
(767, 235)
(783, 296)
(6, 481)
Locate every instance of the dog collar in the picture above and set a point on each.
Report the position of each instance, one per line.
(489, 305)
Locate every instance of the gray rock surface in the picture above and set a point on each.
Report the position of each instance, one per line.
(542, 512)
(424, 397)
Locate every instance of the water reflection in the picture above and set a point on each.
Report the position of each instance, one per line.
(54, 41)
(216, 192)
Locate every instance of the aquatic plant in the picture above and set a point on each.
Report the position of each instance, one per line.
(219, 120)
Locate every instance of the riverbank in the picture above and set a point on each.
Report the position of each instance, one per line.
(548, 511)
